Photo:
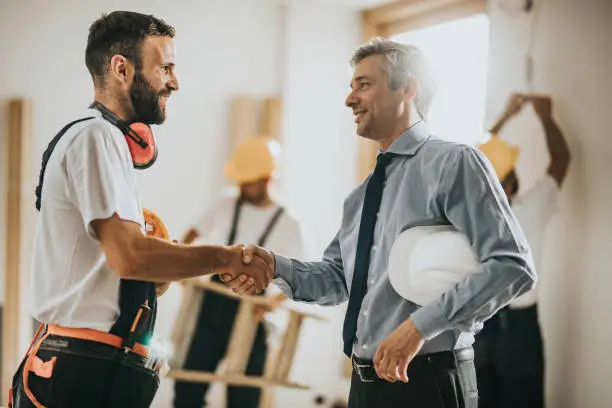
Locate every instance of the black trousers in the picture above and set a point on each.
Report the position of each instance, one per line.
(208, 347)
(86, 374)
(429, 387)
(510, 360)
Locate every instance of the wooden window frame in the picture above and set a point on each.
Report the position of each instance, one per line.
(398, 17)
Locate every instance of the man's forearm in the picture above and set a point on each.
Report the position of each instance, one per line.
(557, 145)
(312, 282)
(477, 298)
(162, 261)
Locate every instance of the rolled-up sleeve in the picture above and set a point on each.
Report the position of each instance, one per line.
(472, 200)
(321, 282)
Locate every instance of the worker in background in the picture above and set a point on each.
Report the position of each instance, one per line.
(250, 217)
(509, 350)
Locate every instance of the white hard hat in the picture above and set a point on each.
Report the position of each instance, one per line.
(426, 262)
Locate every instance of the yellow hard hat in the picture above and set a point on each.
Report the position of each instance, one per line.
(253, 159)
(502, 155)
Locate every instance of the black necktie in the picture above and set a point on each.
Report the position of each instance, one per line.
(371, 205)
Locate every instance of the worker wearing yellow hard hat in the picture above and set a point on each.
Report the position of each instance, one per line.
(249, 217)
(509, 349)
(502, 155)
(253, 159)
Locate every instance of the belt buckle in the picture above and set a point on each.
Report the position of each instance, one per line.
(357, 367)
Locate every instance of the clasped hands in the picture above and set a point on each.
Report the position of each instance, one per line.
(250, 270)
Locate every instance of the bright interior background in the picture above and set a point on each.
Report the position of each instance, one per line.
(300, 49)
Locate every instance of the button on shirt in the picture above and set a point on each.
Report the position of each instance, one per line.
(429, 182)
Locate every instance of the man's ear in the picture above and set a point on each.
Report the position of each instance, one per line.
(411, 89)
(121, 68)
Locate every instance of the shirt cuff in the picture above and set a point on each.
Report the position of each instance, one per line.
(430, 321)
(283, 274)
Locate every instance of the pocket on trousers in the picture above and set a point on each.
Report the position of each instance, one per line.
(79, 380)
(38, 383)
(133, 387)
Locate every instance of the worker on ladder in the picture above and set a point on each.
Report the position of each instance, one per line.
(250, 216)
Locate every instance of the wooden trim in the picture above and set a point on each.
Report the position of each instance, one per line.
(402, 9)
(403, 15)
(367, 151)
(271, 117)
(17, 330)
(243, 119)
(431, 17)
(231, 379)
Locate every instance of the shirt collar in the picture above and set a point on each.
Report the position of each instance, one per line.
(411, 140)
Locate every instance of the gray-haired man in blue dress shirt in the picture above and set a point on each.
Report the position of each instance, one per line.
(404, 354)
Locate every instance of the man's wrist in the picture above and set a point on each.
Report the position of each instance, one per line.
(282, 267)
(413, 327)
(430, 321)
(224, 257)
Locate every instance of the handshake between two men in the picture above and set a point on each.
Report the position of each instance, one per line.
(251, 272)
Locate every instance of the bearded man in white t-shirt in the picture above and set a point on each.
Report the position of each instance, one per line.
(509, 350)
(96, 273)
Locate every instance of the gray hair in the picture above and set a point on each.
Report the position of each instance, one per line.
(401, 63)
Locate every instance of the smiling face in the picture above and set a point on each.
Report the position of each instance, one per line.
(154, 82)
(378, 109)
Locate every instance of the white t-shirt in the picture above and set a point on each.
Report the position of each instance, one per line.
(89, 176)
(214, 226)
(533, 210)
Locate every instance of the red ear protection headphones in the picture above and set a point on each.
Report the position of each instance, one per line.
(138, 136)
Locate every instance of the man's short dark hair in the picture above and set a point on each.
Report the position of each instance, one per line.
(120, 32)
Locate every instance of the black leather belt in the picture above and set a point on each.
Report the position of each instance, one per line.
(441, 360)
(96, 350)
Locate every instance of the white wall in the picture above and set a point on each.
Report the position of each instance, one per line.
(223, 48)
(573, 64)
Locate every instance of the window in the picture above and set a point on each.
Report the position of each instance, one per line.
(458, 53)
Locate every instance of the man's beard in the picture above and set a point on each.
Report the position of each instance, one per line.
(145, 100)
(256, 198)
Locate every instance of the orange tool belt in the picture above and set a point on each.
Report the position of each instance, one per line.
(45, 369)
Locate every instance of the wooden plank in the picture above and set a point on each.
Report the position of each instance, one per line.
(231, 379)
(185, 324)
(366, 158)
(17, 330)
(257, 300)
(402, 9)
(243, 119)
(271, 117)
(370, 29)
(431, 17)
(288, 347)
(242, 339)
(267, 394)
